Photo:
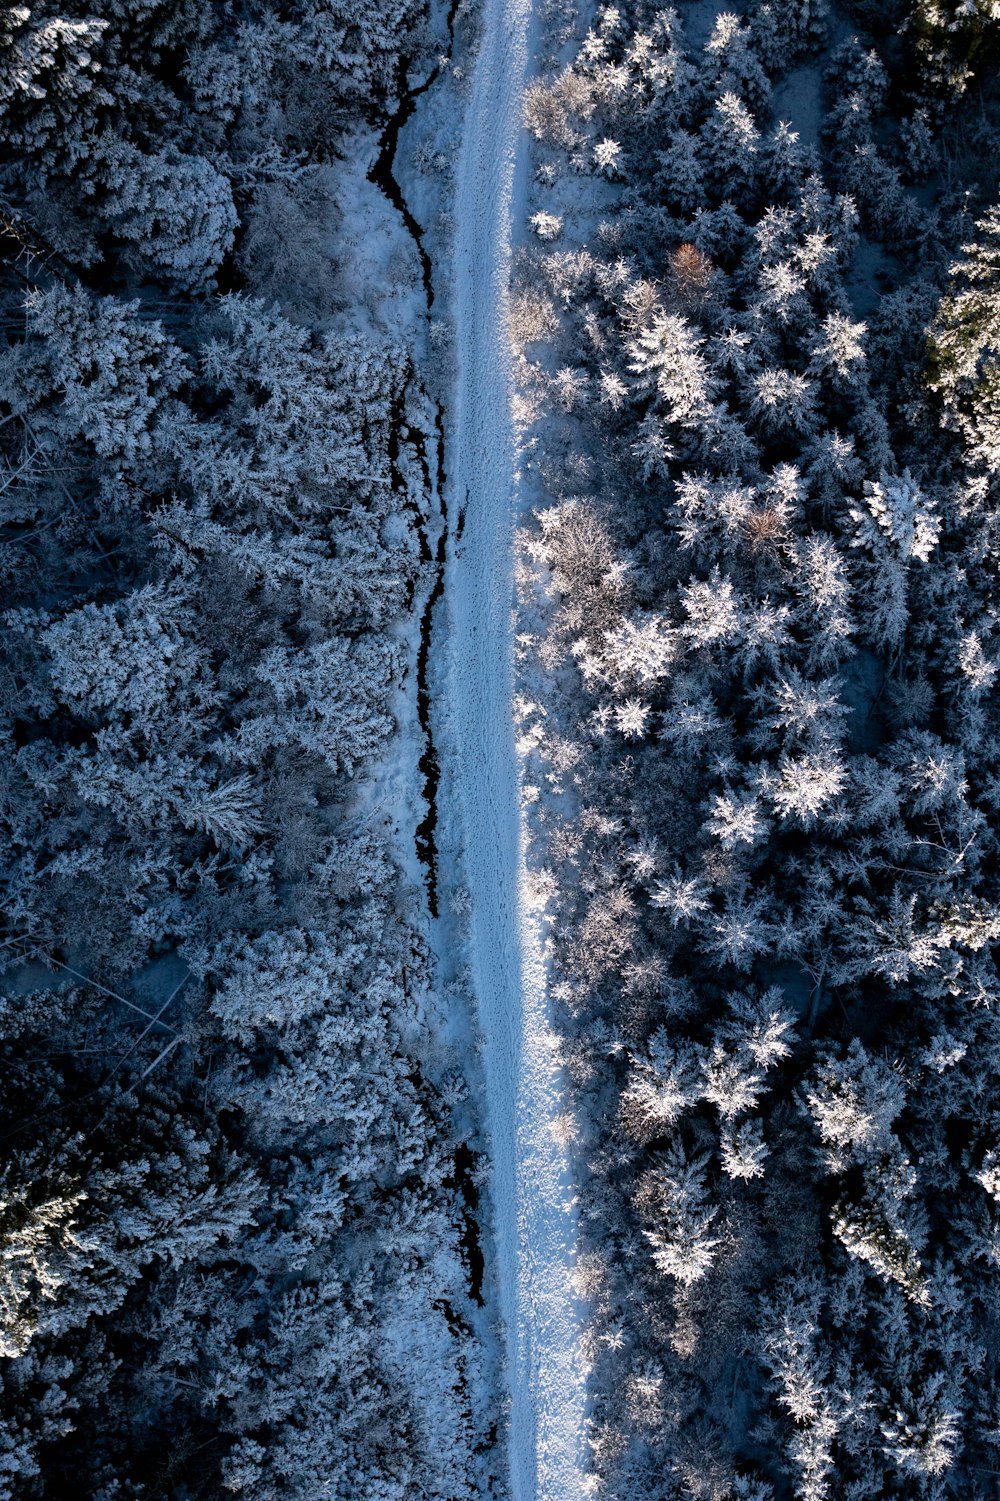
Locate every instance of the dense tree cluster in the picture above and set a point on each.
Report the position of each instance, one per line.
(764, 749)
(229, 1212)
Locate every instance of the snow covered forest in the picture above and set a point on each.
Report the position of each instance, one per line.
(236, 1164)
(758, 321)
(365, 1135)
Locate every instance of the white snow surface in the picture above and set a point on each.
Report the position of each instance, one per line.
(532, 1189)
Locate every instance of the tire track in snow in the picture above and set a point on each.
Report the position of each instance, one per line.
(534, 1218)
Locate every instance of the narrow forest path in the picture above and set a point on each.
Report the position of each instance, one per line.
(532, 1188)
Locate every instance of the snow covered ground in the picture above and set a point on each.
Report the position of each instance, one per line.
(531, 1183)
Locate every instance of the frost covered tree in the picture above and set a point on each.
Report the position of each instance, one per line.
(853, 1102)
(665, 355)
(683, 1246)
(965, 344)
(54, 86)
(177, 210)
(894, 527)
(921, 1433)
(92, 368)
(952, 43)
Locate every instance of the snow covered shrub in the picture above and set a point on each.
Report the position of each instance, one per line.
(556, 110)
(546, 226)
(284, 246)
(533, 317)
(607, 157)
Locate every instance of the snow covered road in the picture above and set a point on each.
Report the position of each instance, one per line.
(532, 1188)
